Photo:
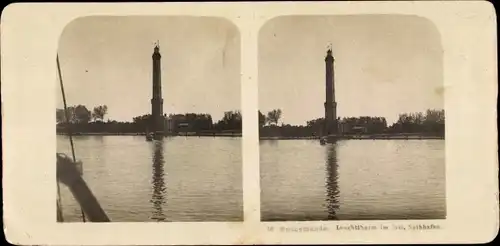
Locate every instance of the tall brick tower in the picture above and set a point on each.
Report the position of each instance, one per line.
(330, 104)
(157, 119)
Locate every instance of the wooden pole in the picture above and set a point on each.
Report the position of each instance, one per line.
(67, 117)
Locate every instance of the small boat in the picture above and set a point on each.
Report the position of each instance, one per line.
(149, 136)
(322, 140)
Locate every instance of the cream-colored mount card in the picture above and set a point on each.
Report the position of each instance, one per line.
(249, 123)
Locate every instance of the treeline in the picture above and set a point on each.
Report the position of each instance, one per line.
(231, 121)
(80, 114)
(431, 122)
(195, 122)
(83, 120)
(363, 124)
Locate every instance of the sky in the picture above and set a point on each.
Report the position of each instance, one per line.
(384, 65)
(107, 61)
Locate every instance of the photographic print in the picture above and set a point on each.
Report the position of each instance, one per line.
(152, 115)
(249, 123)
(351, 118)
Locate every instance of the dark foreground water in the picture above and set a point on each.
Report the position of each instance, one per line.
(176, 179)
(352, 180)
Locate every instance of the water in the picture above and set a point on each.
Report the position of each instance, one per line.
(352, 180)
(176, 179)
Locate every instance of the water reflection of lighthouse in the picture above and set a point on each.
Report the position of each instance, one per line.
(331, 184)
(158, 198)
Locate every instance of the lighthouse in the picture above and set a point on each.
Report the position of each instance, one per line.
(157, 118)
(330, 104)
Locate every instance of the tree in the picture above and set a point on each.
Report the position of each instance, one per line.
(274, 116)
(232, 120)
(262, 119)
(200, 122)
(142, 122)
(99, 112)
(431, 122)
(434, 121)
(61, 115)
(143, 119)
(316, 122)
(82, 114)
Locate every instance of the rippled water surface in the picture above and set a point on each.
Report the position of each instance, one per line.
(176, 179)
(352, 180)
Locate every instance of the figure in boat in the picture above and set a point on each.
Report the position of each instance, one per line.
(149, 135)
(322, 140)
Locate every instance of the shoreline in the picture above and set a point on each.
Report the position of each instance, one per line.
(143, 134)
(344, 137)
(362, 137)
